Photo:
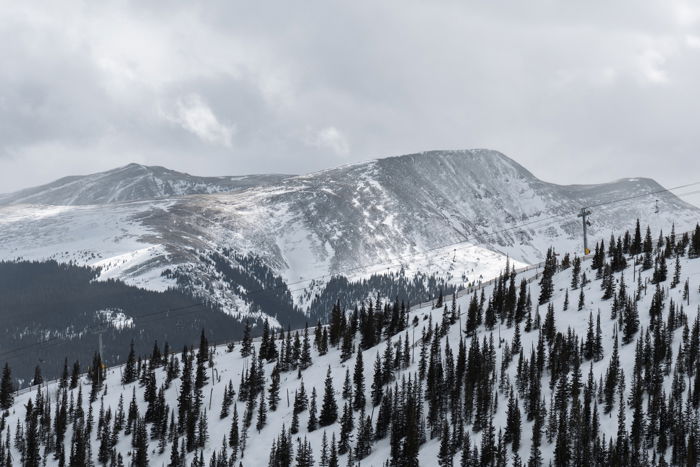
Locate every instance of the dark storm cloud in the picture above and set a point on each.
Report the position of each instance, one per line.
(575, 92)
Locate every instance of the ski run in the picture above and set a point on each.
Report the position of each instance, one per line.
(592, 362)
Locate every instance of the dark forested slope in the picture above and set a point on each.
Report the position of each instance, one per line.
(63, 306)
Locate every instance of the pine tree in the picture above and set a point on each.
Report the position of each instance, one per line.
(336, 324)
(262, 412)
(660, 271)
(346, 426)
(233, 436)
(105, 447)
(63, 381)
(516, 345)
(265, 341)
(377, 382)
(589, 344)
(676, 273)
(202, 429)
(612, 377)
(512, 434)
(473, 316)
(37, 379)
(333, 456)
(313, 420)
(323, 461)
(488, 444)
(575, 273)
(75, 375)
(535, 452)
(323, 345)
(185, 397)
(229, 394)
(465, 460)
(156, 357)
(140, 444)
(546, 284)
(274, 391)
(346, 348)
(359, 382)
(32, 456)
(129, 373)
(445, 453)
(329, 409)
(631, 321)
(561, 448)
(598, 340)
(608, 283)
(364, 436)
(247, 342)
(305, 358)
(201, 371)
(647, 249)
(96, 374)
(347, 386)
(78, 447)
(304, 457)
(636, 245)
(438, 304)
(6, 388)
(549, 328)
(175, 460)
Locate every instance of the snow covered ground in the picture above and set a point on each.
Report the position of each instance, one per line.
(229, 367)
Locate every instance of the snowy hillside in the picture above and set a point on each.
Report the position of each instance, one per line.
(600, 373)
(457, 214)
(133, 182)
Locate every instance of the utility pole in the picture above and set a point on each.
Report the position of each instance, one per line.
(585, 212)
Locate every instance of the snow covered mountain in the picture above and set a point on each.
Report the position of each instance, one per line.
(453, 213)
(605, 372)
(133, 182)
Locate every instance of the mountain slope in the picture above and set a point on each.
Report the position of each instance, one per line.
(434, 212)
(577, 423)
(66, 307)
(133, 182)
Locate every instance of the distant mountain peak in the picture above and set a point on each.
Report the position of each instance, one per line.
(132, 182)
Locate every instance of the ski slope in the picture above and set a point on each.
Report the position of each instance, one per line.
(230, 366)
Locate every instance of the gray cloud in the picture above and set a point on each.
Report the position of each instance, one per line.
(586, 94)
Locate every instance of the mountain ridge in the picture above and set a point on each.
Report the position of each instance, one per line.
(132, 182)
(457, 214)
(226, 183)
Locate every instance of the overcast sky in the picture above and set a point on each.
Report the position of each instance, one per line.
(605, 90)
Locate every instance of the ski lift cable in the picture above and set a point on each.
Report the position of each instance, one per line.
(664, 190)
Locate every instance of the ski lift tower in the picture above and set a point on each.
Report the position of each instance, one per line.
(585, 212)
